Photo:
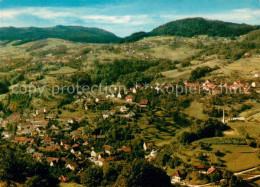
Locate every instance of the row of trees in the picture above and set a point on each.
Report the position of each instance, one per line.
(202, 129)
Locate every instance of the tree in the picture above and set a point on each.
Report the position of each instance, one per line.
(111, 171)
(16, 167)
(92, 176)
(142, 173)
(3, 88)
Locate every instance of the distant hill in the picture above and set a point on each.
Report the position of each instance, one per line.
(195, 26)
(186, 27)
(71, 33)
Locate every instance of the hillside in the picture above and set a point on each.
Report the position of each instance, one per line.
(184, 128)
(71, 33)
(195, 26)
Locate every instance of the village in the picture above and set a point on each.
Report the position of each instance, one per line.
(39, 130)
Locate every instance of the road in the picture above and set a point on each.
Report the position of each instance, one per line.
(236, 174)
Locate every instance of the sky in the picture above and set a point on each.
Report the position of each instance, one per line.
(123, 17)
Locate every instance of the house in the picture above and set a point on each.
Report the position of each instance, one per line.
(66, 146)
(133, 90)
(129, 98)
(24, 126)
(211, 170)
(30, 150)
(85, 143)
(153, 153)
(51, 148)
(247, 54)
(112, 112)
(75, 146)
(148, 145)
(130, 114)
(21, 140)
(52, 160)
(143, 103)
(191, 85)
(72, 166)
(93, 154)
(106, 115)
(98, 99)
(63, 142)
(109, 150)
(124, 149)
(123, 109)
(7, 134)
(201, 169)
(178, 176)
(63, 179)
(254, 84)
(257, 75)
(101, 161)
(47, 141)
(119, 96)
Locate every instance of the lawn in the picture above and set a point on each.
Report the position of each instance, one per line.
(70, 184)
(63, 70)
(196, 110)
(238, 157)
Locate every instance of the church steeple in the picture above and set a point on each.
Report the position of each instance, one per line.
(223, 118)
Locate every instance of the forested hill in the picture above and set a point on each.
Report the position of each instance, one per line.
(186, 27)
(195, 26)
(71, 33)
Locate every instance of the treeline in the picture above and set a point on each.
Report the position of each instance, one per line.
(193, 27)
(200, 72)
(125, 71)
(202, 129)
(71, 33)
(17, 167)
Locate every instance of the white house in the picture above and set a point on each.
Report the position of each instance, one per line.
(7, 134)
(93, 154)
(153, 153)
(119, 96)
(130, 114)
(257, 74)
(123, 109)
(72, 166)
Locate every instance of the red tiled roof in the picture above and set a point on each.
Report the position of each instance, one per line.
(129, 97)
(211, 169)
(47, 139)
(21, 139)
(126, 149)
(110, 158)
(144, 102)
(107, 147)
(52, 159)
(63, 179)
(101, 160)
(75, 145)
(200, 166)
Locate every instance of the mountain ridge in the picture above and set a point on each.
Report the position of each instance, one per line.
(190, 27)
(187, 27)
